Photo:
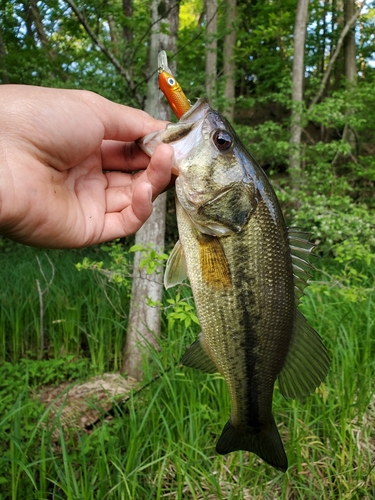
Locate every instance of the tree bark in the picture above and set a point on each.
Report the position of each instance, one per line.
(349, 43)
(350, 66)
(127, 8)
(323, 37)
(229, 62)
(211, 48)
(144, 320)
(297, 89)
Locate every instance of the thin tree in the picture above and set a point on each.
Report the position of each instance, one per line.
(349, 24)
(144, 319)
(211, 48)
(4, 75)
(229, 62)
(297, 88)
(350, 66)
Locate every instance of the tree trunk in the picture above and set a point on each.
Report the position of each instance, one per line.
(349, 45)
(350, 67)
(144, 320)
(127, 8)
(338, 69)
(229, 63)
(38, 23)
(297, 89)
(323, 56)
(350, 23)
(28, 18)
(211, 48)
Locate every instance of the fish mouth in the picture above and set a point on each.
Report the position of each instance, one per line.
(183, 136)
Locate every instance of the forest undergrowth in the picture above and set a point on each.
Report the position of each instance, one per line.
(160, 442)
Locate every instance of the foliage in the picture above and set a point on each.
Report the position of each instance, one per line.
(180, 310)
(151, 259)
(29, 373)
(60, 53)
(118, 264)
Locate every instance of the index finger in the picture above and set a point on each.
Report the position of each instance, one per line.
(125, 156)
(122, 123)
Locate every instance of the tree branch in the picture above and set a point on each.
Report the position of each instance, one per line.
(123, 71)
(344, 32)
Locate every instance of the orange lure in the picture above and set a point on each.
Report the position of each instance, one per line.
(171, 88)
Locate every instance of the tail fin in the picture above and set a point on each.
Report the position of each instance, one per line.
(265, 442)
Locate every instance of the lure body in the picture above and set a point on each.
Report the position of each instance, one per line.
(171, 88)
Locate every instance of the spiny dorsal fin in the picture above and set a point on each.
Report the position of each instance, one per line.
(175, 270)
(307, 362)
(196, 356)
(302, 251)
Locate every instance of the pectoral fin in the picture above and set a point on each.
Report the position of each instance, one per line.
(175, 270)
(213, 261)
(196, 356)
(307, 362)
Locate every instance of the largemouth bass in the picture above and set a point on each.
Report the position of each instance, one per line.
(247, 272)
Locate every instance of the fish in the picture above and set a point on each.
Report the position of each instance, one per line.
(247, 272)
(171, 88)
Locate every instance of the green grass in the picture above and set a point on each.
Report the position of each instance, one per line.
(161, 443)
(78, 318)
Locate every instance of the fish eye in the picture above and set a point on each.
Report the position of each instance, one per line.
(222, 140)
(171, 81)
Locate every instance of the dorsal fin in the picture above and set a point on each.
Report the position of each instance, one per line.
(301, 250)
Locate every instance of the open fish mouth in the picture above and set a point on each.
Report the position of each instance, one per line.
(183, 136)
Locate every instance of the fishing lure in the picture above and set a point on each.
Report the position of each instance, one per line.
(171, 88)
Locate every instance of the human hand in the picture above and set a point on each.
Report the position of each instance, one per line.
(54, 146)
